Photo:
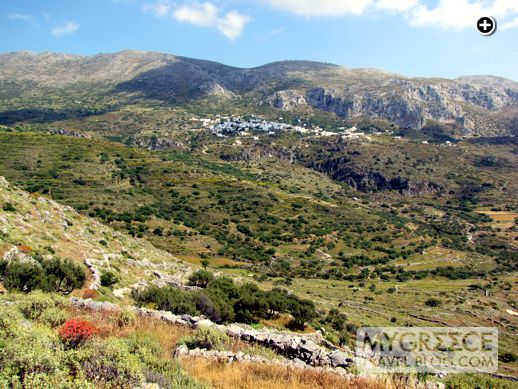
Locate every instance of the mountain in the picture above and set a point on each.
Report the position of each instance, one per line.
(474, 105)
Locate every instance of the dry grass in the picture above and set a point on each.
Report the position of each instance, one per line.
(259, 376)
(109, 325)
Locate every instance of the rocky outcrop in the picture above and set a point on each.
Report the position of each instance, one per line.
(167, 279)
(73, 134)
(229, 357)
(311, 349)
(288, 100)
(411, 104)
(369, 180)
(95, 284)
(157, 143)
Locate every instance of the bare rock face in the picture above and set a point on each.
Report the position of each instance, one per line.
(288, 100)
(409, 105)
(370, 180)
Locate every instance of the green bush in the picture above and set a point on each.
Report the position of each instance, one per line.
(8, 207)
(201, 278)
(207, 338)
(109, 362)
(54, 317)
(126, 317)
(167, 299)
(508, 357)
(223, 301)
(32, 349)
(165, 372)
(36, 303)
(432, 302)
(51, 275)
(108, 279)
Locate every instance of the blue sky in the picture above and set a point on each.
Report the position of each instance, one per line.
(411, 37)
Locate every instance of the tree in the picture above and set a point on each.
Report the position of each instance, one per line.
(201, 278)
(205, 263)
(302, 312)
(63, 276)
(23, 277)
(51, 275)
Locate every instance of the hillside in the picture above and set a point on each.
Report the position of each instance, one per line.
(285, 206)
(107, 82)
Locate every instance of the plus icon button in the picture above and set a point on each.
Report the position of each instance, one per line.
(486, 25)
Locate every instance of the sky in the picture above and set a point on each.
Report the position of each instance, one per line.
(428, 38)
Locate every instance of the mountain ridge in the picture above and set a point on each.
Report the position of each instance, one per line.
(476, 105)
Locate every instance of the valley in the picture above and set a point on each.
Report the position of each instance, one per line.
(372, 198)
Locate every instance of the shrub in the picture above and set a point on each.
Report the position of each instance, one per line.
(36, 303)
(201, 278)
(507, 357)
(8, 207)
(75, 332)
(23, 277)
(54, 317)
(432, 302)
(30, 350)
(336, 319)
(108, 278)
(109, 363)
(167, 299)
(62, 276)
(25, 249)
(207, 338)
(126, 317)
(302, 312)
(48, 275)
(9, 318)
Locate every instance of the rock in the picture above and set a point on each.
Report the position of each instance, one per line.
(234, 331)
(339, 359)
(362, 364)
(239, 356)
(180, 351)
(204, 322)
(309, 347)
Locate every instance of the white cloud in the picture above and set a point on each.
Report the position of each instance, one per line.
(277, 31)
(446, 14)
(159, 9)
(396, 5)
(309, 8)
(23, 17)
(65, 29)
(510, 24)
(207, 14)
(459, 14)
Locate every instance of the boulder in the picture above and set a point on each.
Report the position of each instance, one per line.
(339, 359)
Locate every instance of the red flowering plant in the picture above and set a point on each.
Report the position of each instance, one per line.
(76, 331)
